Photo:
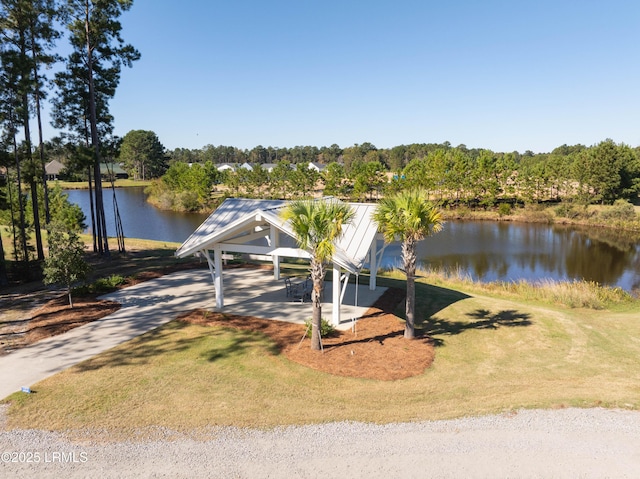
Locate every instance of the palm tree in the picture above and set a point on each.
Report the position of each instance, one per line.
(408, 216)
(316, 225)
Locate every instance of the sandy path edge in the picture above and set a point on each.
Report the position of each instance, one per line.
(528, 443)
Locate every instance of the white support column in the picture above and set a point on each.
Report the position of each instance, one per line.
(274, 237)
(217, 278)
(373, 264)
(336, 296)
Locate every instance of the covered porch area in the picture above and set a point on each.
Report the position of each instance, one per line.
(253, 291)
(255, 229)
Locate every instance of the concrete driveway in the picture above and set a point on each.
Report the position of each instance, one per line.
(148, 305)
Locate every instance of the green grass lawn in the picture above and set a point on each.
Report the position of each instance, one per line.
(82, 185)
(493, 354)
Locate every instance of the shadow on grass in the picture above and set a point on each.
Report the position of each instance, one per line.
(479, 319)
(237, 343)
(140, 350)
(431, 299)
(221, 342)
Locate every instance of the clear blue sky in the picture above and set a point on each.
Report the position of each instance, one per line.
(505, 75)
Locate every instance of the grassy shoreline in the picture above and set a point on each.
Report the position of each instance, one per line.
(83, 185)
(591, 217)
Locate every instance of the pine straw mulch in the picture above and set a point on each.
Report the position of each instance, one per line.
(376, 350)
(53, 318)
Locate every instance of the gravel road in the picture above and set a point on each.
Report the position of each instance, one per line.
(571, 443)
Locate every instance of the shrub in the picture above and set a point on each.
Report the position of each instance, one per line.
(621, 210)
(461, 212)
(326, 328)
(102, 285)
(504, 209)
(189, 201)
(108, 284)
(573, 212)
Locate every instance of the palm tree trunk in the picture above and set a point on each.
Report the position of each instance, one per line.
(409, 256)
(317, 276)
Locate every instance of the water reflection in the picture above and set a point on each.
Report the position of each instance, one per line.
(139, 218)
(489, 251)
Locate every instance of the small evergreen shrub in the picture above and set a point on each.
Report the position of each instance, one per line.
(462, 212)
(326, 328)
(189, 201)
(101, 285)
(504, 209)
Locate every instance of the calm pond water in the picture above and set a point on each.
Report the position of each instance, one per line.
(139, 218)
(487, 251)
(490, 251)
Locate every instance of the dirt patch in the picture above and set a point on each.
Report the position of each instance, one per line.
(375, 350)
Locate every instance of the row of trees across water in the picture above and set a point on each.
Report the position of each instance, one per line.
(601, 173)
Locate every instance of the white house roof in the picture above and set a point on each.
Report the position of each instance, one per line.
(226, 166)
(237, 215)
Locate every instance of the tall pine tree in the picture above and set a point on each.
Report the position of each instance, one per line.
(90, 80)
(28, 35)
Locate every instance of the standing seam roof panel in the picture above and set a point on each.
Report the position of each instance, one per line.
(351, 250)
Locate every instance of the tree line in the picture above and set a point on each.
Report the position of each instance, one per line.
(602, 173)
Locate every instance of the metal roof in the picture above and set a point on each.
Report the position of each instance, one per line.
(236, 215)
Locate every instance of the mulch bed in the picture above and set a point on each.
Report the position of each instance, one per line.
(53, 318)
(376, 350)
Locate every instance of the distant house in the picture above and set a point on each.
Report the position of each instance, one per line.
(226, 167)
(317, 166)
(112, 169)
(246, 166)
(52, 170)
(268, 167)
